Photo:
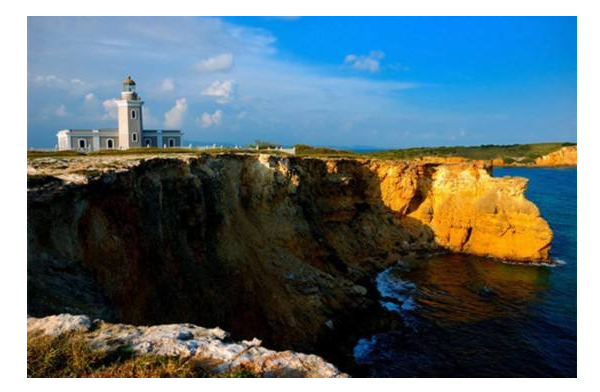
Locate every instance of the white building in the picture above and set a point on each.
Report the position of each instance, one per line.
(129, 134)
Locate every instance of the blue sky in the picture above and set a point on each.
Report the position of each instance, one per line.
(337, 81)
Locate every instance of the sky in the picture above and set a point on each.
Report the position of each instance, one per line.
(381, 82)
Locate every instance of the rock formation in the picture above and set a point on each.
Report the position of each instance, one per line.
(566, 156)
(211, 346)
(471, 212)
(280, 248)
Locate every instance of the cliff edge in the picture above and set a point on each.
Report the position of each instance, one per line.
(280, 248)
(566, 156)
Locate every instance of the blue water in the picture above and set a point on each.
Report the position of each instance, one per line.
(465, 316)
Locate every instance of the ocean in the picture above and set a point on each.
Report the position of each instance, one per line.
(466, 316)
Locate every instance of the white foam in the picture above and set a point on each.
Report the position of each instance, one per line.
(559, 261)
(552, 263)
(391, 306)
(390, 286)
(398, 293)
(363, 348)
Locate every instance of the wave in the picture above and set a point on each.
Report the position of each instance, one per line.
(363, 349)
(553, 263)
(396, 292)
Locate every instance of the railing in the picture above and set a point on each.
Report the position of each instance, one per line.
(291, 151)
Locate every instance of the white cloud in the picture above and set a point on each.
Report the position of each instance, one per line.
(53, 81)
(110, 107)
(174, 117)
(222, 62)
(167, 85)
(61, 111)
(370, 62)
(89, 97)
(149, 120)
(221, 91)
(209, 120)
(284, 101)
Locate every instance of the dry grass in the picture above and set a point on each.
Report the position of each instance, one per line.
(71, 356)
(31, 154)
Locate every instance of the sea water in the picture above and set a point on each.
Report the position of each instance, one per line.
(466, 316)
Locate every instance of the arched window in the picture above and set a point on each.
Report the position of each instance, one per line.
(171, 142)
(110, 143)
(82, 143)
(133, 114)
(134, 137)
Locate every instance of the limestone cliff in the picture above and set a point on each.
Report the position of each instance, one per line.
(566, 156)
(279, 248)
(471, 212)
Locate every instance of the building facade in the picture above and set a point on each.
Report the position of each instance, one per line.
(129, 134)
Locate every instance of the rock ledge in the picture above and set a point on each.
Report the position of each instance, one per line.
(212, 346)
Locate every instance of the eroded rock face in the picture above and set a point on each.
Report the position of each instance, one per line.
(566, 156)
(283, 249)
(471, 212)
(211, 346)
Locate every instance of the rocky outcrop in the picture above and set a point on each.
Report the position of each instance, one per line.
(211, 346)
(471, 212)
(566, 156)
(279, 248)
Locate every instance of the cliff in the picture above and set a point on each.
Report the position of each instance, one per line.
(210, 349)
(279, 248)
(566, 156)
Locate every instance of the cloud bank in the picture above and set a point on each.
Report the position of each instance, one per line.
(281, 101)
(174, 117)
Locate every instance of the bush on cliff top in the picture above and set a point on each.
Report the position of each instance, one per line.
(71, 356)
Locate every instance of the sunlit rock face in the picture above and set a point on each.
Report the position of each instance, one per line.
(279, 248)
(566, 156)
(472, 212)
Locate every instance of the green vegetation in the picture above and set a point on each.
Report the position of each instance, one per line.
(71, 356)
(264, 144)
(304, 150)
(486, 151)
(511, 153)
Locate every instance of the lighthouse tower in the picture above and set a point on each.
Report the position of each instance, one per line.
(130, 116)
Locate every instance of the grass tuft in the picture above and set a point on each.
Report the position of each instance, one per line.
(70, 355)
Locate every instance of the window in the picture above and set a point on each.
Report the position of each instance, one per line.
(134, 137)
(171, 143)
(133, 114)
(110, 143)
(148, 143)
(81, 143)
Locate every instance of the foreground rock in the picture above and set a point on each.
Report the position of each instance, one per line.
(283, 249)
(211, 346)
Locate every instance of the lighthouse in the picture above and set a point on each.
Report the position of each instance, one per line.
(130, 116)
(129, 134)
